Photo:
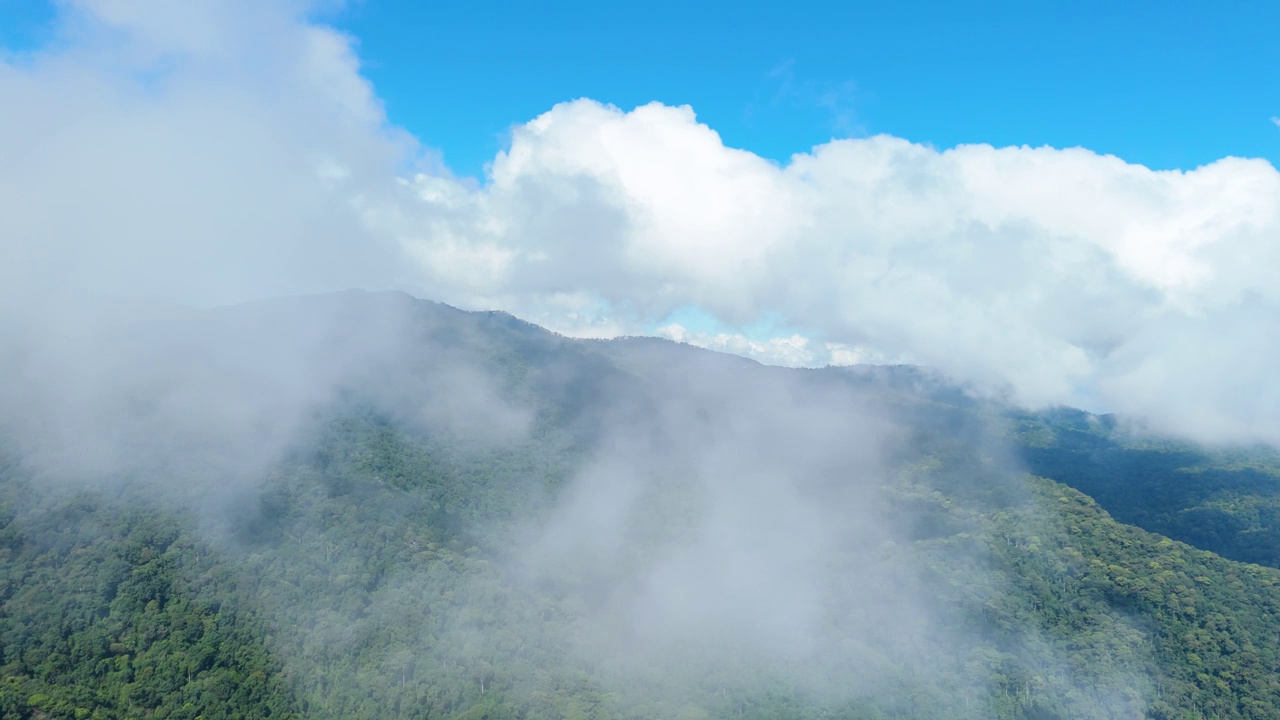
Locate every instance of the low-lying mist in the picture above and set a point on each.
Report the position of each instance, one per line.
(416, 497)
(206, 400)
(735, 520)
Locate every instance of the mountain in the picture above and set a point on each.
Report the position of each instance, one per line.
(1226, 501)
(367, 505)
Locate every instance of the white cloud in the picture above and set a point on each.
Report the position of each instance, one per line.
(235, 151)
(205, 155)
(793, 351)
(1061, 275)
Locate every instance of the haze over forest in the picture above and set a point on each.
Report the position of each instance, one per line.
(296, 422)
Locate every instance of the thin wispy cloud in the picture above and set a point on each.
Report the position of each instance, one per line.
(837, 100)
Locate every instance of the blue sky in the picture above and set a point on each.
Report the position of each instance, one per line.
(1167, 85)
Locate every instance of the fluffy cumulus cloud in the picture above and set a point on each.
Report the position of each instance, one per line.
(233, 150)
(1058, 276)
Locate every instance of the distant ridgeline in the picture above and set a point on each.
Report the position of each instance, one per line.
(623, 529)
(1226, 501)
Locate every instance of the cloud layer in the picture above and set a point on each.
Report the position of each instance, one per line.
(1061, 276)
(235, 151)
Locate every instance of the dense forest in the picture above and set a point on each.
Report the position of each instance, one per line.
(486, 520)
(1224, 501)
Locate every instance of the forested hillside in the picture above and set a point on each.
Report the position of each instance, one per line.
(1227, 501)
(485, 520)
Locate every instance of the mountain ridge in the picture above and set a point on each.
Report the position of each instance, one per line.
(368, 505)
